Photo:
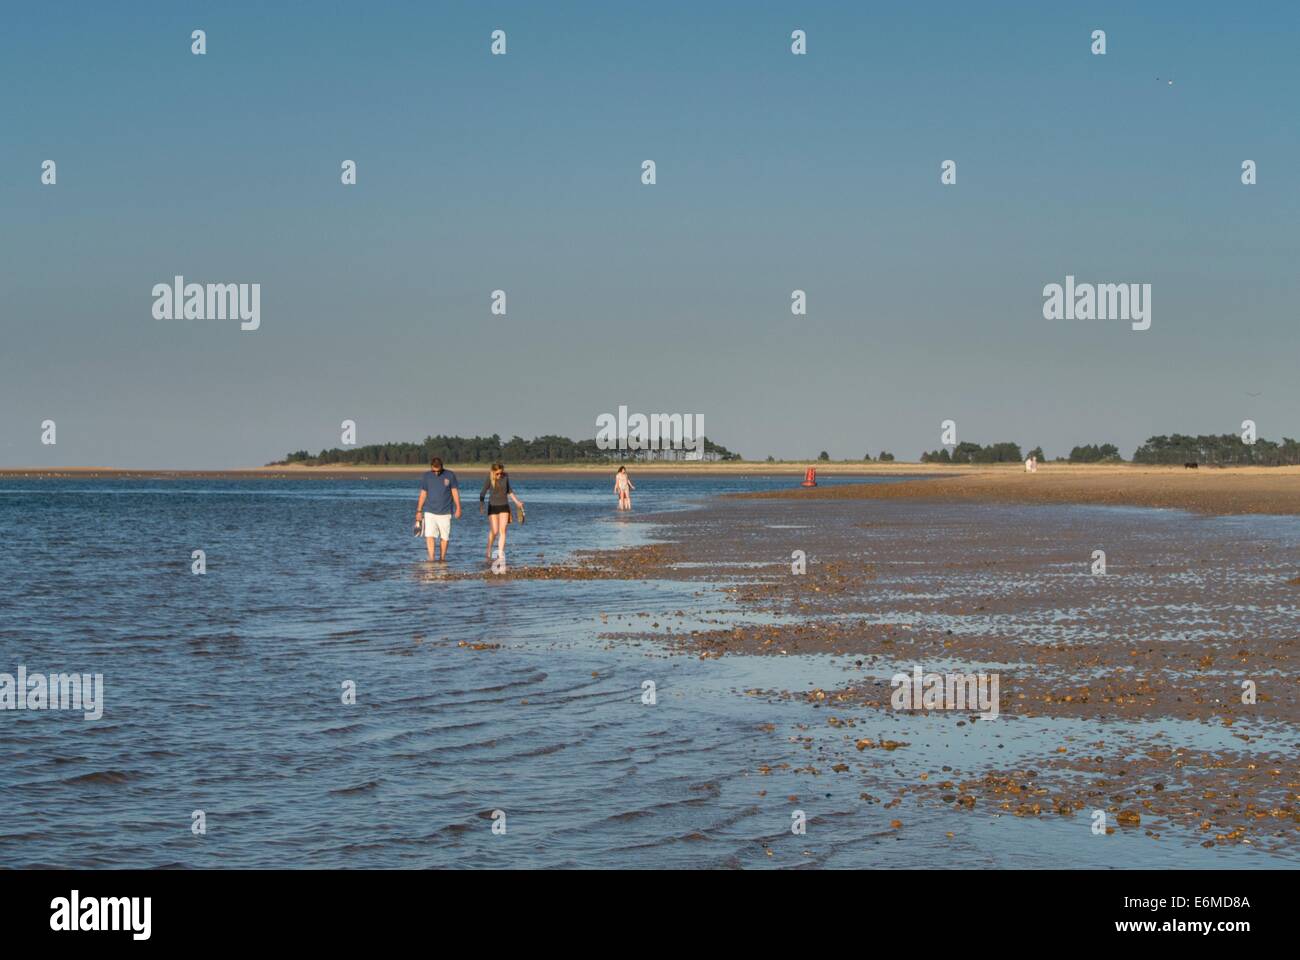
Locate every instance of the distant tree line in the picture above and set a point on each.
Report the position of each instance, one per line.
(1223, 450)
(1226, 449)
(974, 453)
(1094, 453)
(548, 449)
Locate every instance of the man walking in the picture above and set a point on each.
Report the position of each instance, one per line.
(439, 494)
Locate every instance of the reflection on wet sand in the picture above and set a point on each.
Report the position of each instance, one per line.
(1160, 693)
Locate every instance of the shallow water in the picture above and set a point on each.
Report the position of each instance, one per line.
(223, 691)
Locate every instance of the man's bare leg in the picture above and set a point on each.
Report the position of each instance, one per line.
(428, 542)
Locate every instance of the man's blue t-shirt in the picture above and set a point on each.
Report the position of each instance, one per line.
(439, 486)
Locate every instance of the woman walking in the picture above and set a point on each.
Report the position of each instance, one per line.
(499, 495)
(623, 487)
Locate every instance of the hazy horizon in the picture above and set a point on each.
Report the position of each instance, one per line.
(522, 172)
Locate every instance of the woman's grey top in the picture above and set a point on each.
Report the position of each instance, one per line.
(500, 496)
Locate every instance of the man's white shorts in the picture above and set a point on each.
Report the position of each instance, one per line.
(437, 525)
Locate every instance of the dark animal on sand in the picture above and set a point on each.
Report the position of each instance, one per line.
(1191, 466)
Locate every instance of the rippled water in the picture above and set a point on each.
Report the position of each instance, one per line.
(223, 691)
(223, 694)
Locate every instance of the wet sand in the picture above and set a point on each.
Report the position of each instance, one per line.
(1129, 682)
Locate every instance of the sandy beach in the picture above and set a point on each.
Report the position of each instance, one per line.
(1227, 490)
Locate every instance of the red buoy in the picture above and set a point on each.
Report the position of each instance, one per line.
(810, 478)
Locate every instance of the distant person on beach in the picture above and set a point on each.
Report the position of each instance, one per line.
(439, 496)
(623, 487)
(499, 495)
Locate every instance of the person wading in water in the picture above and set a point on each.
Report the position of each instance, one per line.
(499, 495)
(623, 487)
(439, 497)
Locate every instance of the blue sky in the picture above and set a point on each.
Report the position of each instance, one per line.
(522, 172)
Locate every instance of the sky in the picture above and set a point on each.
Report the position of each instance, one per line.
(522, 172)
